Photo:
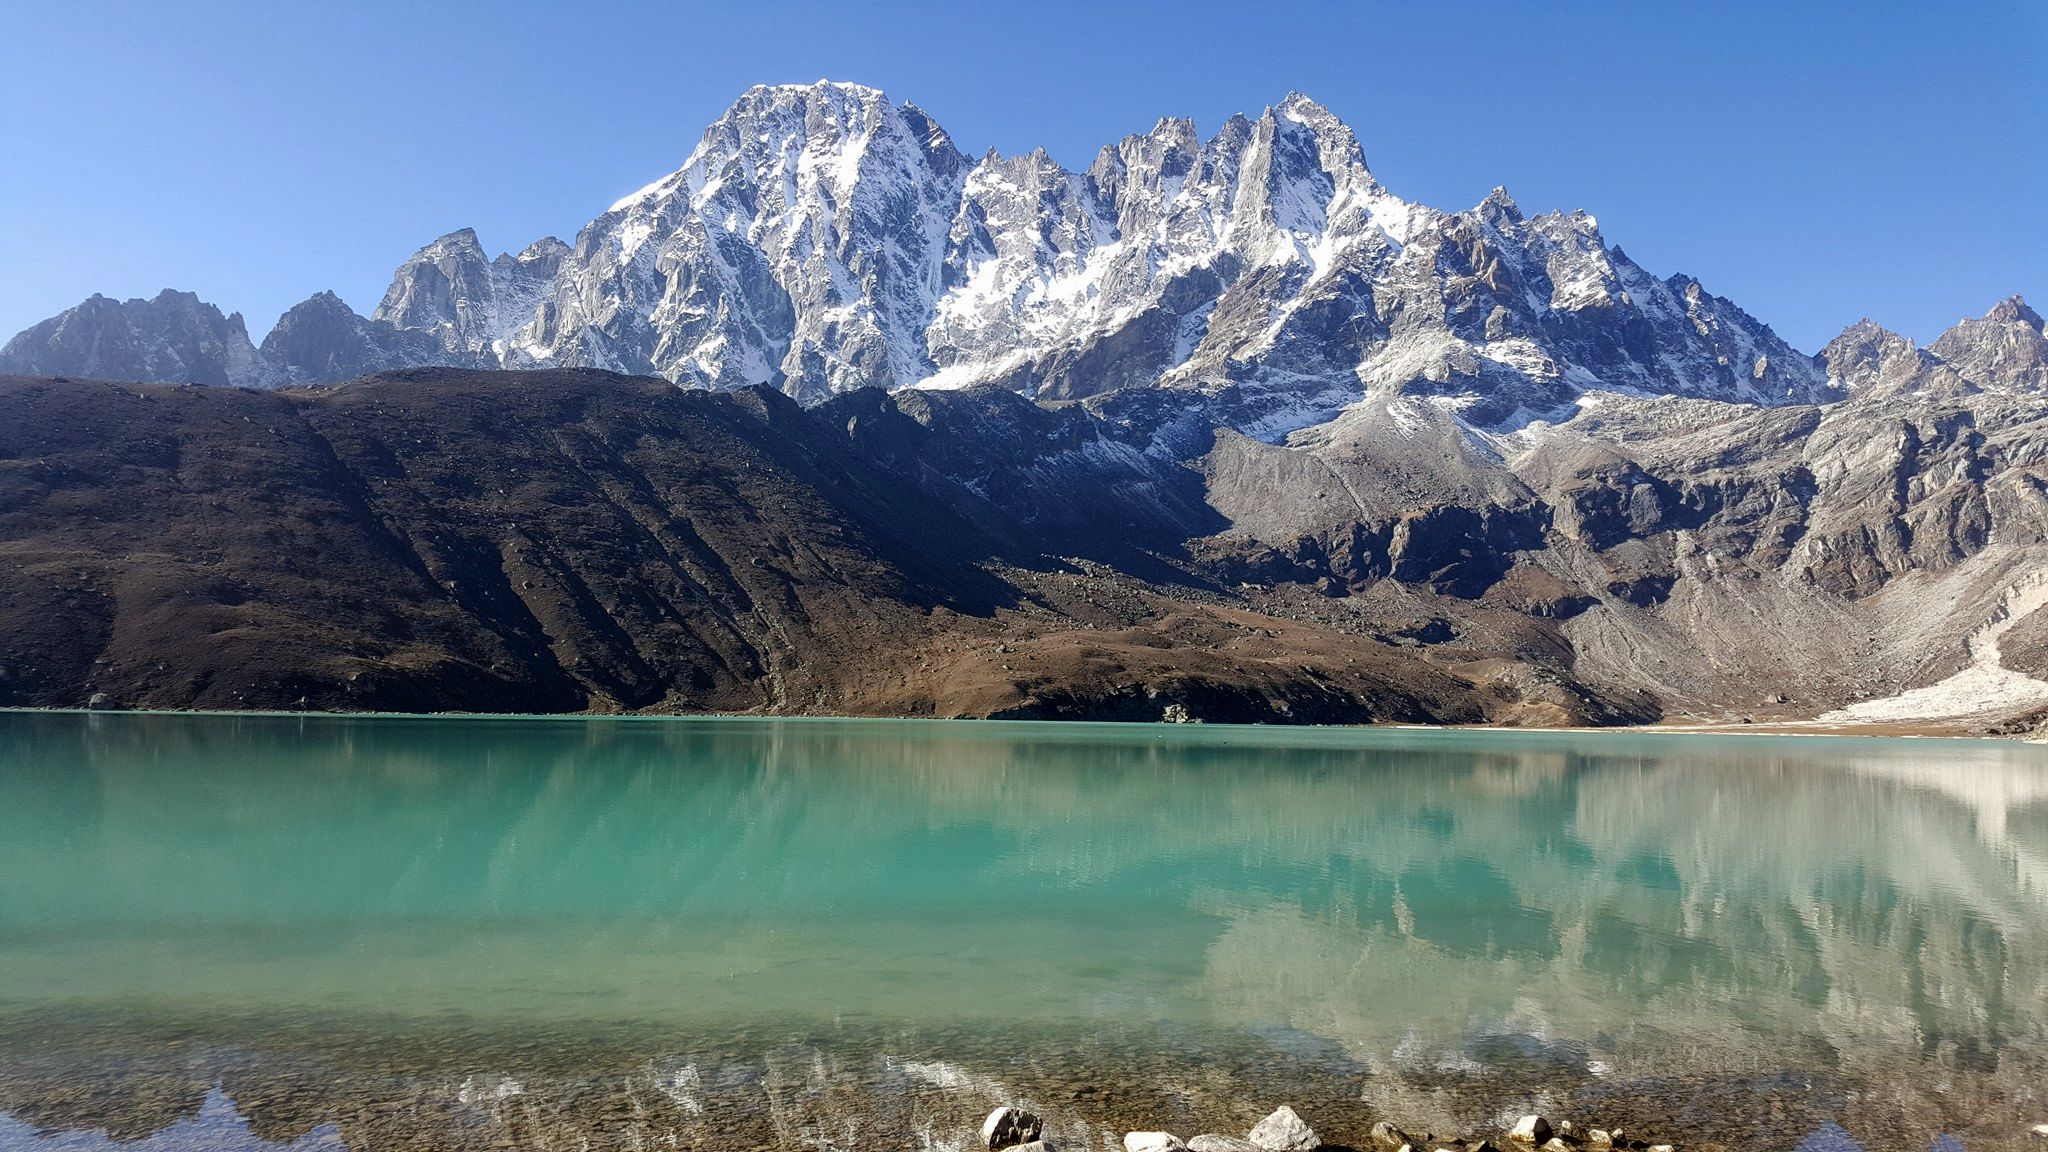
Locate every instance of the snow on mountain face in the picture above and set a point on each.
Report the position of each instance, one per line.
(820, 239)
(802, 244)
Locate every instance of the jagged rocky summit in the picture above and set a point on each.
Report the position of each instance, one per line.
(821, 238)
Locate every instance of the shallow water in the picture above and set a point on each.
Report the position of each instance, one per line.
(266, 931)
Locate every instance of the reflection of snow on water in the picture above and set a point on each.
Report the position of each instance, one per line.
(684, 1086)
(488, 1089)
(217, 1127)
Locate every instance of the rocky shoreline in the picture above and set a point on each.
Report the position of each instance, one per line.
(1012, 1129)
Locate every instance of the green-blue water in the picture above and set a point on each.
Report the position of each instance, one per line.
(1427, 920)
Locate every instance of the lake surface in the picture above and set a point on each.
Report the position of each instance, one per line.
(259, 932)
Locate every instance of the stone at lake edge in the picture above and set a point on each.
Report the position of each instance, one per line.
(1387, 1136)
(1034, 1146)
(1211, 1142)
(1530, 1130)
(1153, 1142)
(1285, 1131)
(1007, 1127)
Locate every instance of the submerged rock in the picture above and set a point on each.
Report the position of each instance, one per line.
(1007, 1127)
(1211, 1142)
(1284, 1131)
(1387, 1136)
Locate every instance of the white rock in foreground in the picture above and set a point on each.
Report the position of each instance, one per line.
(1153, 1142)
(1006, 1127)
(1284, 1131)
(1530, 1130)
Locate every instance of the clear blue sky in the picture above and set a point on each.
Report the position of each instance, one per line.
(1815, 162)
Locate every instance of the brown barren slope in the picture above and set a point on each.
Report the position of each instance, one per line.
(562, 541)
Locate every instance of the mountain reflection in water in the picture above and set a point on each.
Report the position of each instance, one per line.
(1452, 923)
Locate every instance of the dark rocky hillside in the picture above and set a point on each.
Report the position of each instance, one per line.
(575, 540)
(449, 539)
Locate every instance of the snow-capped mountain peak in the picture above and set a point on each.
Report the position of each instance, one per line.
(821, 237)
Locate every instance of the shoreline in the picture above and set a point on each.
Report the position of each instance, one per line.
(468, 1085)
(1949, 728)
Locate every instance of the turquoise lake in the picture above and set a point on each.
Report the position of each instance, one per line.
(221, 931)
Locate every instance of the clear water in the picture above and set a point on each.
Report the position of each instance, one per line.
(497, 919)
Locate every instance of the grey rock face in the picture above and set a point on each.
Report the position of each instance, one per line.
(471, 305)
(2006, 351)
(324, 341)
(173, 338)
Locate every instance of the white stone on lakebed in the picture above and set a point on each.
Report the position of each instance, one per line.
(1211, 1142)
(1285, 1131)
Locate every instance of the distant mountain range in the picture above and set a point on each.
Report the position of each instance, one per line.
(1200, 390)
